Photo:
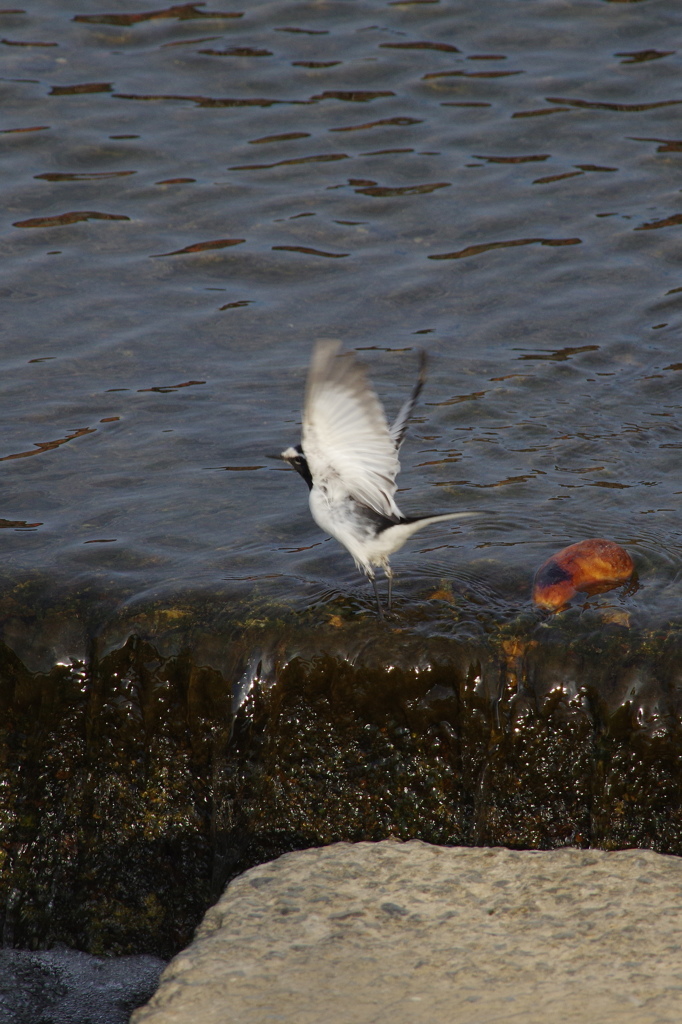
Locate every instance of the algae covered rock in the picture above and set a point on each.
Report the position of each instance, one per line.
(138, 780)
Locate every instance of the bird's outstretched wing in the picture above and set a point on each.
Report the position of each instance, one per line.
(399, 427)
(346, 438)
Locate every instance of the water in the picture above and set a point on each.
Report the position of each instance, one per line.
(498, 185)
(63, 986)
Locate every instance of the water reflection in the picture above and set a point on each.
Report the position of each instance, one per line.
(217, 243)
(182, 12)
(476, 250)
(67, 218)
(46, 446)
(600, 105)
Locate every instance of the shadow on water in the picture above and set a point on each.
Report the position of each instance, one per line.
(192, 677)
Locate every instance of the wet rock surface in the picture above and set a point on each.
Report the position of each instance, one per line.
(67, 987)
(415, 933)
(138, 782)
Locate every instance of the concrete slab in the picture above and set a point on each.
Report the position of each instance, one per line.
(408, 933)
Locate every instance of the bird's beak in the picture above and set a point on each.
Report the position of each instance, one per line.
(278, 458)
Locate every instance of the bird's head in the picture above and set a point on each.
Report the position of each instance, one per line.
(296, 459)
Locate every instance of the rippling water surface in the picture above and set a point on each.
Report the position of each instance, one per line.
(193, 194)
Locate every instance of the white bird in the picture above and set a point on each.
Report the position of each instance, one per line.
(348, 456)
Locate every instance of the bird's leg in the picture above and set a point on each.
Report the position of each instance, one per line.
(380, 612)
(389, 577)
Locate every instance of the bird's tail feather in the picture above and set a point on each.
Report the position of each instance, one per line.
(399, 532)
(419, 521)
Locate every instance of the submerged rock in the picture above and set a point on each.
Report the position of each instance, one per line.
(591, 567)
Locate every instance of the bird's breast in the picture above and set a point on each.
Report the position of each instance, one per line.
(345, 519)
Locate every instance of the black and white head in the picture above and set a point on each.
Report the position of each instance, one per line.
(295, 457)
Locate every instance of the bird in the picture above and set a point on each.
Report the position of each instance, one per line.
(348, 457)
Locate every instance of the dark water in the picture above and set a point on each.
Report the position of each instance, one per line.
(66, 987)
(193, 195)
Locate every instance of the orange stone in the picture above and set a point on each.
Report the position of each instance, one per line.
(590, 566)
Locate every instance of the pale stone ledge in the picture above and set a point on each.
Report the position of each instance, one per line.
(408, 933)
